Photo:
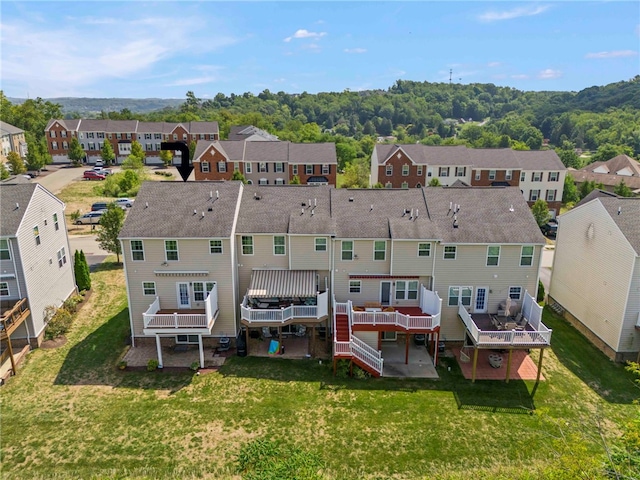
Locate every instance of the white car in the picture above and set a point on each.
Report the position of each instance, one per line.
(124, 202)
(91, 218)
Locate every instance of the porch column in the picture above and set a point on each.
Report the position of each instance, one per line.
(436, 337)
(509, 365)
(475, 364)
(313, 340)
(539, 365)
(159, 348)
(406, 348)
(13, 361)
(246, 338)
(280, 336)
(201, 350)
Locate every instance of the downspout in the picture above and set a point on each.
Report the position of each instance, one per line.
(124, 264)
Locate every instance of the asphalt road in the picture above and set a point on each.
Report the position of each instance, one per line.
(55, 181)
(90, 247)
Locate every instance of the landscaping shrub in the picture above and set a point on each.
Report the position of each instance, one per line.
(194, 366)
(59, 322)
(164, 174)
(540, 296)
(342, 369)
(81, 269)
(268, 460)
(152, 364)
(121, 184)
(71, 303)
(359, 373)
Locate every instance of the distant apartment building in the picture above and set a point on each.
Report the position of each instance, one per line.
(538, 174)
(250, 133)
(121, 133)
(12, 140)
(611, 173)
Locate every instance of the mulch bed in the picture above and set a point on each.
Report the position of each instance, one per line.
(54, 343)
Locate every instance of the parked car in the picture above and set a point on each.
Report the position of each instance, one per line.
(92, 175)
(103, 206)
(127, 202)
(90, 218)
(99, 163)
(550, 228)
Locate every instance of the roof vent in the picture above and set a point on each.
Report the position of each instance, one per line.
(17, 205)
(313, 212)
(217, 194)
(146, 204)
(411, 215)
(202, 215)
(195, 212)
(455, 221)
(619, 210)
(211, 194)
(303, 204)
(371, 208)
(511, 209)
(351, 199)
(210, 209)
(416, 213)
(302, 211)
(315, 202)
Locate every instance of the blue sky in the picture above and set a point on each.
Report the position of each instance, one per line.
(163, 49)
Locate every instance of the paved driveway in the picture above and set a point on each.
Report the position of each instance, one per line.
(545, 266)
(90, 247)
(57, 180)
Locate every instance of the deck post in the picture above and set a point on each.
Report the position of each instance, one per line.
(246, 338)
(313, 339)
(351, 367)
(159, 349)
(509, 365)
(335, 364)
(436, 337)
(201, 350)
(406, 349)
(280, 336)
(13, 360)
(475, 364)
(539, 365)
(379, 341)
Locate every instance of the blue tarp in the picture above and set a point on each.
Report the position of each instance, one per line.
(274, 347)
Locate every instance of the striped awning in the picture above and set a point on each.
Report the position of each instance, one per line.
(282, 283)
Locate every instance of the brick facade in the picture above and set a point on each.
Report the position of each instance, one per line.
(486, 180)
(415, 174)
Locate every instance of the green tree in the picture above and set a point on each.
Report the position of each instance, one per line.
(295, 180)
(4, 172)
(37, 154)
(74, 216)
(345, 153)
(356, 175)
(623, 190)
(167, 157)
(589, 186)
(192, 150)
(81, 270)
(111, 223)
(568, 155)
(76, 153)
(107, 153)
(132, 162)
(540, 211)
(137, 152)
(16, 163)
(237, 175)
(435, 182)
(570, 193)
(607, 151)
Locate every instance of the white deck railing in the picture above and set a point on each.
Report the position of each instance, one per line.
(366, 354)
(285, 314)
(153, 319)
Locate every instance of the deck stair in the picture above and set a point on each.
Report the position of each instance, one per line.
(354, 349)
(556, 307)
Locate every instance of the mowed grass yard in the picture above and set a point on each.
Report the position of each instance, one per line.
(70, 413)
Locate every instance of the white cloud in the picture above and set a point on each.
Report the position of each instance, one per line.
(549, 73)
(493, 64)
(302, 33)
(612, 54)
(494, 16)
(520, 76)
(355, 50)
(209, 73)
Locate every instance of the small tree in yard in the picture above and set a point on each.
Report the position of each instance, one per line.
(4, 172)
(237, 175)
(434, 182)
(167, 157)
(137, 151)
(107, 153)
(17, 165)
(76, 153)
(111, 223)
(81, 269)
(295, 180)
(623, 190)
(540, 211)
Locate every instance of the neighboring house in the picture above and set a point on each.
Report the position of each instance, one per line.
(301, 258)
(93, 133)
(538, 173)
(11, 140)
(36, 260)
(249, 133)
(611, 173)
(596, 272)
(266, 163)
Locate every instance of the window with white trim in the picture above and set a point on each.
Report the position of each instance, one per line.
(388, 185)
(443, 171)
(355, 286)
(492, 174)
(553, 176)
(53, 133)
(536, 176)
(321, 244)
(247, 167)
(515, 293)
(405, 170)
(450, 252)
(478, 173)
(157, 136)
(236, 166)
(4, 289)
(147, 136)
(294, 169)
(406, 290)
(148, 288)
(247, 245)
(262, 167)
(404, 185)
(36, 234)
(215, 246)
(534, 195)
(187, 339)
(523, 176)
(379, 250)
(326, 169)
(56, 225)
(171, 250)
(279, 167)
(508, 174)
(279, 181)
(63, 133)
(551, 195)
(54, 145)
(526, 256)
(62, 257)
(460, 295)
(137, 250)
(419, 170)
(222, 167)
(4, 250)
(424, 249)
(279, 245)
(308, 169)
(263, 181)
(461, 171)
(201, 290)
(347, 249)
(65, 145)
(493, 255)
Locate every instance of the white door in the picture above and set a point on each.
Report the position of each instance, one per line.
(184, 298)
(481, 300)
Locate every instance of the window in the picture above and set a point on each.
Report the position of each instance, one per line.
(388, 185)
(53, 133)
(263, 181)
(4, 250)
(379, 249)
(515, 293)
(65, 145)
(477, 174)
(459, 294)
(222, 167)
(247, 245)
(294, 169)
(201, 136)
(553, 176)
(279, 167)
(90, 135)
(118, 136)
(171, 249)
(63, 133)
(347, 249)
(308, 169)
(62, 257)
(215, 246)
(147, 136)
(54, 145)
(526, 256)
(175, 136)
(522, 176)
(492, 174)
(405, 170)
(493, 255)
(278, 245)
(450, 253)
(279, 181)
(4, 289)
(404, 185)
(157, 136)
(55, 221)
(536, 176)
(389, 170)
(424, 249)
(187, 339)
(184, 137)
(551, 195)
(508, 174)
(137, 250)
(355, 286)
(263, 167)
(148, 147)
(158, 147)
(406, 290)
(148, 288)
(534, 195)
(236, 166)
(419, 170)
(92, 146)
(36, 233)
(247, 167)
(321, 244)
(461, 171)
(326, 169)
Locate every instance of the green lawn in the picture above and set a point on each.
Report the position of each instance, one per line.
(71, 414)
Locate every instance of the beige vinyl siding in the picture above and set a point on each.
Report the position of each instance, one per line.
(470, 269)
(630, 336)
(262, 257)
(591, 276)
(45, 283)
(193, 256)
(370, 338)
(12, 267)
(363, 265)
(304, 256)
(407, 262)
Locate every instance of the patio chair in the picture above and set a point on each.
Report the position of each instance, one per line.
(302, 331)
(510, 326)
(266, 332)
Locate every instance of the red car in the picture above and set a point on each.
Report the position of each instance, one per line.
(91, 175)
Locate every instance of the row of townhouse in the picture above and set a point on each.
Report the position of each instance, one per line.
(266, 162)
(203, 259)
(92, 134)
(538, 174)
(11, 140)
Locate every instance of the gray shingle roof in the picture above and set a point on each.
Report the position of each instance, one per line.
(538, 160)
(628, 220)
(71, 124)
(170, 210)
(241, 132)
(7, 128)
(607, 179)
(10, 216)
(615, 164)
(266, 152)
(126, 126)
(313, 153)
(294, 153)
